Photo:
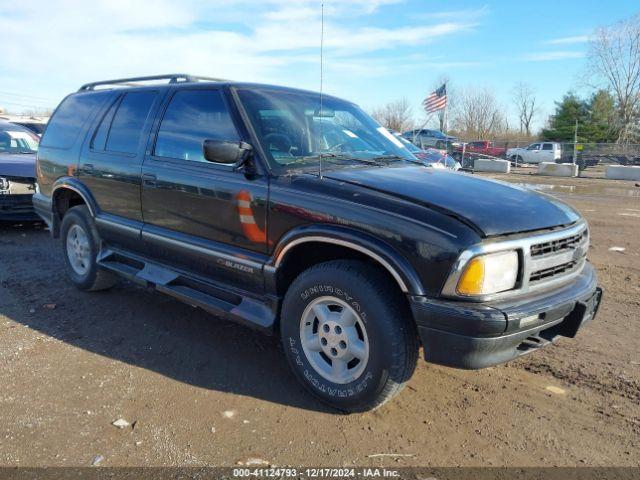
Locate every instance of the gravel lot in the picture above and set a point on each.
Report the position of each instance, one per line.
(196, 390)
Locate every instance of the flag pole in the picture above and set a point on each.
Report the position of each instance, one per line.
(446, 118)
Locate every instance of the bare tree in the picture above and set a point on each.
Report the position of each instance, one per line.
(525, 101)
(614, 58)
(478, 114)
(397, 115)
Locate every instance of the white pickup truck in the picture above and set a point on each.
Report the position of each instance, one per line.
(536, 153)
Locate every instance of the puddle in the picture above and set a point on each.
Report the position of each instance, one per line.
(633, 192)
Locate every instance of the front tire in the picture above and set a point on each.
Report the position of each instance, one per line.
(80, 247)
(348, 335)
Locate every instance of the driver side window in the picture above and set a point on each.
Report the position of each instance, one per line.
(192, 117)
(535, 146)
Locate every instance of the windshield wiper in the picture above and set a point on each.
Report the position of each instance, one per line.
(395, 157)
(334, 156)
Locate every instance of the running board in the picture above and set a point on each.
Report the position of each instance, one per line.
(234, 307)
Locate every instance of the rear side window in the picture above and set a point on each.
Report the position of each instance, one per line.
(192, 117)
(128, 121)
(547, 146)
(69, 118)
(100, 137)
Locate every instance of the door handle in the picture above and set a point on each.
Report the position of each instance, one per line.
(149, 180)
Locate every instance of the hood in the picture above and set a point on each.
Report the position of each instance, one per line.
(491, 207)
(18, 165)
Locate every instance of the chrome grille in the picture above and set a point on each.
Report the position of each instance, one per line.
(551, 271)
(557, 257)
(559, 245)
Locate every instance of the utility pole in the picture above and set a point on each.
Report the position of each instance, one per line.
(575, 143)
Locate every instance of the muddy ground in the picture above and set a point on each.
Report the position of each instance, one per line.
(197, 390)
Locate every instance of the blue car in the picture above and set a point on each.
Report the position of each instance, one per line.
(18, 147)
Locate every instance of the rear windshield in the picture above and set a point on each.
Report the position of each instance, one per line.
(69, 117)
(17, 139)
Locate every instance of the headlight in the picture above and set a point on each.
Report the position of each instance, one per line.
(490, 273)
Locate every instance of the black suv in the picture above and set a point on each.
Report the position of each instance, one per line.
(298, 214)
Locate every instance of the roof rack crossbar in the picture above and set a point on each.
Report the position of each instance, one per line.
(172, 77)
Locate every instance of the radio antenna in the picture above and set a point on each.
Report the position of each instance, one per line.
(321, 79)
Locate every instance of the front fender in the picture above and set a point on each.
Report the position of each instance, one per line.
(379, 251)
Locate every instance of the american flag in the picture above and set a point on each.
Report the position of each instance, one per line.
(436, 100)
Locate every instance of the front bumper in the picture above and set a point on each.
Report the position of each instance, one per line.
(17, 208)
(472, 336)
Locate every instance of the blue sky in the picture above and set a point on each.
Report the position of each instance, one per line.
(375, 50)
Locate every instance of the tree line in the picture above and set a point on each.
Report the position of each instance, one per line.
(611, 113)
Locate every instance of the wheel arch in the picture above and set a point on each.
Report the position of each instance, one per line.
(68, 192)
(339, 242)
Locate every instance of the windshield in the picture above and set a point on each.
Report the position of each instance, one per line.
(14, 140)
(294, 132)
(408, 145)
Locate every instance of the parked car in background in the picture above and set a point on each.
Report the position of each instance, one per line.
(35, 127)
(18, 147)
(479, 148)
(299, 215)
(430, 156)
(536, 153)
(430, 138)
(440, 159)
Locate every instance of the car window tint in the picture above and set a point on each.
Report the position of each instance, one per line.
(129, 120)
(100, 137)
(547, 146)
(69, 118)
(192, 117)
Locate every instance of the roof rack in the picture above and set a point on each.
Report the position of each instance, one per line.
(129, 82)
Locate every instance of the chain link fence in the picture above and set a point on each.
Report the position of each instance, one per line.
(585, 155)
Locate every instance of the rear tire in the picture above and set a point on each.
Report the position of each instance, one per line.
(348, 335)
(80, 247)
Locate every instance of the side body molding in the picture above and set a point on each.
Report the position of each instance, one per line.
(378, 251)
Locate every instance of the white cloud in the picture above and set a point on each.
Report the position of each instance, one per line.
(552, 56)
(56, 45)
(465, 14)
(568, 40)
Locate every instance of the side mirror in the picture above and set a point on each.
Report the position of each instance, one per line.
(223, 151)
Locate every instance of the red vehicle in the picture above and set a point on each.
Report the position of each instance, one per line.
(481, 147)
